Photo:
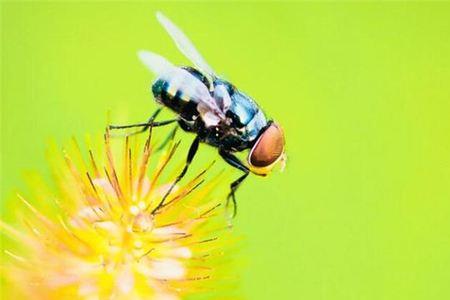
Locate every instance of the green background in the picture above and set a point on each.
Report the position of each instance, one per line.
(362, 90)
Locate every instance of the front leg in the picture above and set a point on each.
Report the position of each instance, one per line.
(235, 162)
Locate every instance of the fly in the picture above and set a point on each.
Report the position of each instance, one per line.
(214, 110)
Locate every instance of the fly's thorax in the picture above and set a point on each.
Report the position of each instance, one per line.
(244, 119)
(242, 109)
(224, 137)
(247, 119)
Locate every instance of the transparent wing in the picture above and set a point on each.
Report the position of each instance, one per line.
(185, 45)
(191, 87)
(156, 63)
(222, 97)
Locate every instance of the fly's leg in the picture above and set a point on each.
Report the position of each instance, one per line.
(235, 162)
(234, 186)
(150, 120)
(169, 138)
(192, 151)
(146, 125)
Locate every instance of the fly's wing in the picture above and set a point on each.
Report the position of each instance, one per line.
(181, 80)
(222, 97)
(156, 63)
(185, 45)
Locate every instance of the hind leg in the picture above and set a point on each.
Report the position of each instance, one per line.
(148, 124)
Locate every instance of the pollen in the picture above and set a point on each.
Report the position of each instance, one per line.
(103, 240)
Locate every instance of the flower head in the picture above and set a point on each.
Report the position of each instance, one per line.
(106, 240)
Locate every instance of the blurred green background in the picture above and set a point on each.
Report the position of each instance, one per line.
(362, 90)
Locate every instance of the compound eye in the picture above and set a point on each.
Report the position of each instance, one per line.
(268, 148)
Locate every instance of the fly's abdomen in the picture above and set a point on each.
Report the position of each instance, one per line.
(166, 94)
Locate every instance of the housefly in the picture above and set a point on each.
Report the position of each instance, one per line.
(212, 108)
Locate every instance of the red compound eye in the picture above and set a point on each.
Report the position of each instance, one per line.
(268, 148)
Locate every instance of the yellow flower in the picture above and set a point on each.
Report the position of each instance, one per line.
(103, 241)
